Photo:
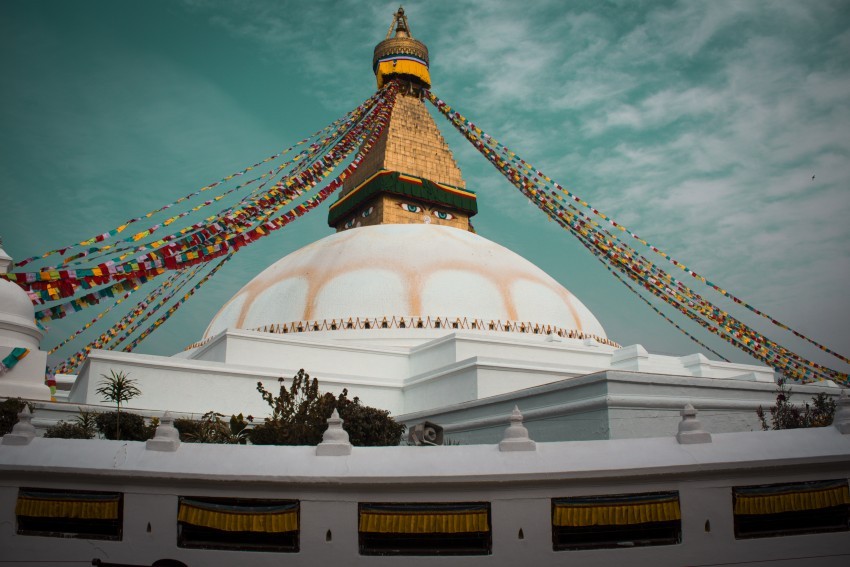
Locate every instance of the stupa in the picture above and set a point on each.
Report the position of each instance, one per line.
(405, 254)
(411, 310)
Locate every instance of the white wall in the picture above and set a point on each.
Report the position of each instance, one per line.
(519, 487)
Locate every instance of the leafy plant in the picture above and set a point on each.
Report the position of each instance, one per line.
(9, 410)
(118, 388)
(134, 426)
(300, 413)
(212, 428)
(785, 415)
(83, 426)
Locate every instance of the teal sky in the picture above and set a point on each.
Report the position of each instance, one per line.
(699, 125)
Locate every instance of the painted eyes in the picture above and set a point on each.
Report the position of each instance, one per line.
(410, 208)
(349, 224)
(367, 212)
(442, 215)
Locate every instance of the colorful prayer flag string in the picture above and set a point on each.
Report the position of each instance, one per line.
(606, 247)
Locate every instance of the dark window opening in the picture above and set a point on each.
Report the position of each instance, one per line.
(239, 524)
(599, 537)
(72, 514)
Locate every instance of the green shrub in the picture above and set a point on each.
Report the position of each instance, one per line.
(67, 430)
(9, 410)
(212, 428)
(84, 426)
(133, 426)
(300, 413)
(785, 415)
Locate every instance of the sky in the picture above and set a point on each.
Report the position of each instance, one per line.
(719, 131)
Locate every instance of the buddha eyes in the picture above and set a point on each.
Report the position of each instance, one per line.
(367, 212)
(410, 208)
(349, 224)
(442, 215)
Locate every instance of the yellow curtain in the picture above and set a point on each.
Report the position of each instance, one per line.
(238, 522)
(424, 522)
(402, 67)
(616, 514)
(82, 509)
(791, 501)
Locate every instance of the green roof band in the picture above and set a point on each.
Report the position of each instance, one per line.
(394, 183)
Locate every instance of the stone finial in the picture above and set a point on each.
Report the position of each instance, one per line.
(23, 432)
(167, 437)
(690, 428)
(335, 440)
(516, 435)
(841, 421)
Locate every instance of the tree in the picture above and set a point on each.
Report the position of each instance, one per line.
(300, 413)
(785, 415)
(117, 388)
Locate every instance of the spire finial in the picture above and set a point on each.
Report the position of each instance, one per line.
(402, 28)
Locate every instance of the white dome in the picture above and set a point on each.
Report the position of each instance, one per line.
(17, 315)
(404, 270)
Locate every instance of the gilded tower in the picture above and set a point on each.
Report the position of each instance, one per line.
(410, 175)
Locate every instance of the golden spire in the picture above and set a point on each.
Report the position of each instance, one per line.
(401, 55)
(409, 176)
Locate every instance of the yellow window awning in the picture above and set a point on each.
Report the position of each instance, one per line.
(624, 509)
(239, 517)
(56, 504)
(424, 519)
(796, 497)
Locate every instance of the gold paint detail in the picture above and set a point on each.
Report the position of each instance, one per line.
(418, 322)
(411, 143)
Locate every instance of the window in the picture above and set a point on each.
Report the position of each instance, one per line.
(238, 523)
(623, 520)
(65, 513)
(459, 528)
(790, 509)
